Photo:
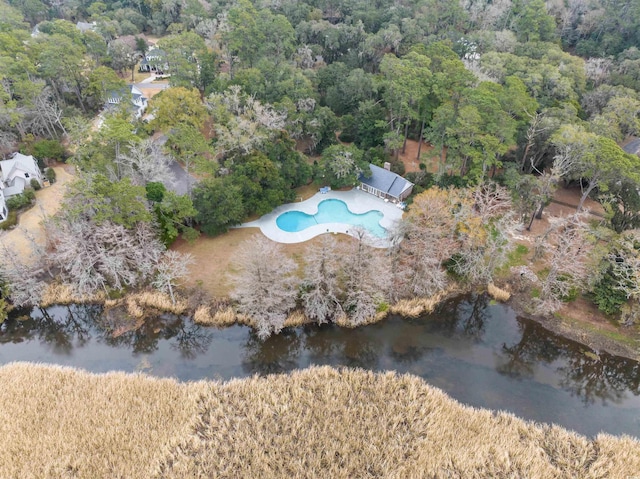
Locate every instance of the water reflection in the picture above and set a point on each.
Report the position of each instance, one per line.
(585, 374)
(465, 315)
(65, 328)
(604, 377)
(480, 353)
(61, 328)
(277, 354)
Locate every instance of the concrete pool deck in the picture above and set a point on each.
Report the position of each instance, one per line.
(357, 201)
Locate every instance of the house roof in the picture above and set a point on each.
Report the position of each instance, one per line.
(386, 181)
(18, 162)
(633, 146)
(85, 26)
(117, 96)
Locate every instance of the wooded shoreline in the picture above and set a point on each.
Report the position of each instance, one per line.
(220, 313)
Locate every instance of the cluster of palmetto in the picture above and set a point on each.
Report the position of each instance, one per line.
(464, 234)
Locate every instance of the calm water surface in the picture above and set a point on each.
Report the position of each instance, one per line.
(481, 354)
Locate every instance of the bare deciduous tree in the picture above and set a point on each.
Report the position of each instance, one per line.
(320, 288)
(265, 287)
(24, 280)
(145, 162)
(567, 261)
(431, 238)
(95, 257)
(364, 274)
(171, 268)
(491, 200)
(478, 261)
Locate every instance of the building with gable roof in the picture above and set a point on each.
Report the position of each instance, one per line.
(386, 184)
(131, 97)
(155, 60)
(17, 173)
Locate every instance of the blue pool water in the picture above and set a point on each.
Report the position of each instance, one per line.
(331, 211)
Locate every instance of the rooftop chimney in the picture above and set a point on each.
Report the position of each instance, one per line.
(387, 166)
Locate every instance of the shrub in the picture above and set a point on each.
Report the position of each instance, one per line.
(50, 174)
(20, 201)
(48, 150)
(606, 295)
(35, 184)
(10, 222)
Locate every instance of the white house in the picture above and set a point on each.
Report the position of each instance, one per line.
(154, 61)
(17, 173)
(3, 208)
(132, 97)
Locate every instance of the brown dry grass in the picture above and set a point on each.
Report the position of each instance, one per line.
(497, 293)
(58, 422)
(64, 423)
(327, 423)
(158, 301)
(220, 318)
(213, 257)
(318, 422)
(414, 307)
(58, 293)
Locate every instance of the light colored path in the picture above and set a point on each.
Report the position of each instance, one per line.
(47, 202)
(358, 202)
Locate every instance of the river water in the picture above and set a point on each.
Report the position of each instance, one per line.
(480, 353)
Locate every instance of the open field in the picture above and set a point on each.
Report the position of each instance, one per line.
(318, 422)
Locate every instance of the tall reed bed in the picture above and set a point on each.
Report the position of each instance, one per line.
(319, 422)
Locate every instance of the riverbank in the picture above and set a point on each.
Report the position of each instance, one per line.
(129, 312)
(583, 323)
(319, 422)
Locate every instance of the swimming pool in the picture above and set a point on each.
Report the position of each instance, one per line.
(332, 211)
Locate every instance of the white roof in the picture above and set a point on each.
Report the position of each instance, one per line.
(19, 162)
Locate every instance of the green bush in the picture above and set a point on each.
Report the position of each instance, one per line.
(606, 295)
(10, 222)
(50, 174)
(20, 201)
(48, 150)
(35, 184)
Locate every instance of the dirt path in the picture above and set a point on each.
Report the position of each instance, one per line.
(47, 202)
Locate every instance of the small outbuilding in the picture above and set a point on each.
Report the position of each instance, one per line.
(386, 184)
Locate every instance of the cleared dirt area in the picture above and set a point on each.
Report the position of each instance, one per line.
(47, 204)
(428, 156)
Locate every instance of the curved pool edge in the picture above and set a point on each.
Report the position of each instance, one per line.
(358, 202)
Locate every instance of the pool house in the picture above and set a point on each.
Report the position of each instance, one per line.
(386, 184)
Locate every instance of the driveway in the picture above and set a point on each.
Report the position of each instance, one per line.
(182, 181)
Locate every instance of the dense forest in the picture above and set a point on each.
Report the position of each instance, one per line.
(513, 97)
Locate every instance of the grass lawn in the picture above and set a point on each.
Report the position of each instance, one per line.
(138, 76)
(214, 255)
